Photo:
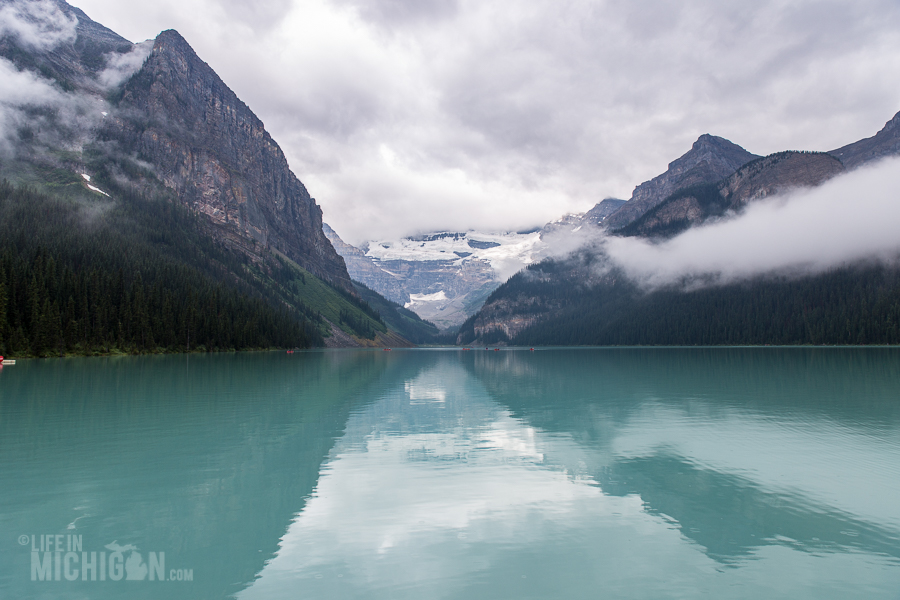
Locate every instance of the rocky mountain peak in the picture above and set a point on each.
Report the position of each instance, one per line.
(602, 210)
(215, 154)
(710, 159)
(755, 180)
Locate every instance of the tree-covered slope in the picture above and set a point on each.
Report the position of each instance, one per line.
(850, 305)
(401, 320)
(83, 273)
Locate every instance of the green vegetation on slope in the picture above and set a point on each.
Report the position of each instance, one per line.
(850, 305)
(294, 285)
(86, 274)
(399, 319)
(90, 278)
(273, 276)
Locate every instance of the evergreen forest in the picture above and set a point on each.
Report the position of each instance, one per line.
(858, 304)
(138, 274)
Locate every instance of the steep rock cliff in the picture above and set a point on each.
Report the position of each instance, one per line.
(362, 268)
(204, 143)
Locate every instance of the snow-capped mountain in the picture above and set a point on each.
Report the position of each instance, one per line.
(443, 277)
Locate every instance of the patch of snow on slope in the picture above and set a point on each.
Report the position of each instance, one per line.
(96, 189)
(419, 299)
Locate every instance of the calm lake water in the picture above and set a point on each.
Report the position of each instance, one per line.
(586, 473)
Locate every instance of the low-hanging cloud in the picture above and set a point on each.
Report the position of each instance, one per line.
(120, 67)
(19, 90)
(851, 218)
(39, 24)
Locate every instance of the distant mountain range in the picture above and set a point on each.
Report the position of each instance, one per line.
(445, 280)
(443, 277)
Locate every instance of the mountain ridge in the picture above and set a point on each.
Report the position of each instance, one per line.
(581, 298)
(710, 159)
(884, 143)
(215, 153)
(755, 180)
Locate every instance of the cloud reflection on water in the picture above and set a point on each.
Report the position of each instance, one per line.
(463, 496)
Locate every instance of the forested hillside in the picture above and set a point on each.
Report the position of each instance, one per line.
(403, 321)
(136, 274)
(849, 305)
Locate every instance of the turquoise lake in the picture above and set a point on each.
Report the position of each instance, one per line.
(445, 474)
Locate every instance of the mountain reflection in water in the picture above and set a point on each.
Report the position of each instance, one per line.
(636, 473)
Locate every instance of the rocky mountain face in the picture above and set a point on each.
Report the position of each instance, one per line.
(207, 146)
(884, 143)
(776, 173)
(443, 277)
(162, 115)
(603, 210)
(108, 123)
(362, 268)
(444, 292)
(709, 160)
(755, 180)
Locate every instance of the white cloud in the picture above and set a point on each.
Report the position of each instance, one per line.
(37, 23)
(850, 218)
(120, 67)
(17, 90)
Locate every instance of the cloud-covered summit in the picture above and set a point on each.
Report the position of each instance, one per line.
(37, 24)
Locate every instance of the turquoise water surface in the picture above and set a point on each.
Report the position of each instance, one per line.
(561, 473)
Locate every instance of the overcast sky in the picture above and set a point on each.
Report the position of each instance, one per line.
(406, 116)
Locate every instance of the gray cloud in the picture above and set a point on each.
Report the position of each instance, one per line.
(406, 116)
(18, 90)
(391, 14)
(39, 24)
(262, 17)
(849, 219)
